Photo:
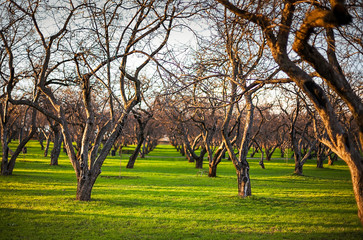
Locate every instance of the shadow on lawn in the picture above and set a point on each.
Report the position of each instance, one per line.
(83, 225)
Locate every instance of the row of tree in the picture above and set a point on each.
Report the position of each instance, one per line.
(267, 75)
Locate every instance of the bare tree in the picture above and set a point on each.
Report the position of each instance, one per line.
(328, 69)
(103, 47)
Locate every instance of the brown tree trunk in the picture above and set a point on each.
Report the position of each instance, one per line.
(84, 187)
(357, 180)
(212, 171)
(298, 168)
(200, 158)
(199, 162)
(244, 182)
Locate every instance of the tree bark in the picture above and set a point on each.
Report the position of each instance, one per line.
(320, 160)
(84, 186)
(54, 155)
(134, 155)
(298, 167)
(212, 171)
(46, 149)
(200, 158)
(244, 182)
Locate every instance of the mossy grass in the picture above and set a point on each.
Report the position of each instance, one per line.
(164, 197)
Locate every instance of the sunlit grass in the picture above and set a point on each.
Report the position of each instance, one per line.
(163, 197)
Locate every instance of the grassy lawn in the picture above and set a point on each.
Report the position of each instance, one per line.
(163, 197)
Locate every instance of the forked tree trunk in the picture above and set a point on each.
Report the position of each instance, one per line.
(217, 158)
(331, 159)
(255, 150)
(298, 168)
(84, 187)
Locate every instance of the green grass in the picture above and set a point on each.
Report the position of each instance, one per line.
(164, 198)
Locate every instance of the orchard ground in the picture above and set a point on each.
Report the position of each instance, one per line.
(165, 197)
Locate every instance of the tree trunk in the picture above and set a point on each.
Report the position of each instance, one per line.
(41, 144)
(54, 155)
(331, 159)
(255, 150)
(212, 171)
(133, 156)
(244, 182)
(182, 150)
(199, 162)
(262, 164)
(319, 160)
(143, 149)
(298, 168)
(5, 148)
(282, 151)
(5, 155)
(46, 149)
(357, 180)
(84, 187)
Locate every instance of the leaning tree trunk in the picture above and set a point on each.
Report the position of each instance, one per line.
(133, 156)
(46, 149)
(254, 151)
